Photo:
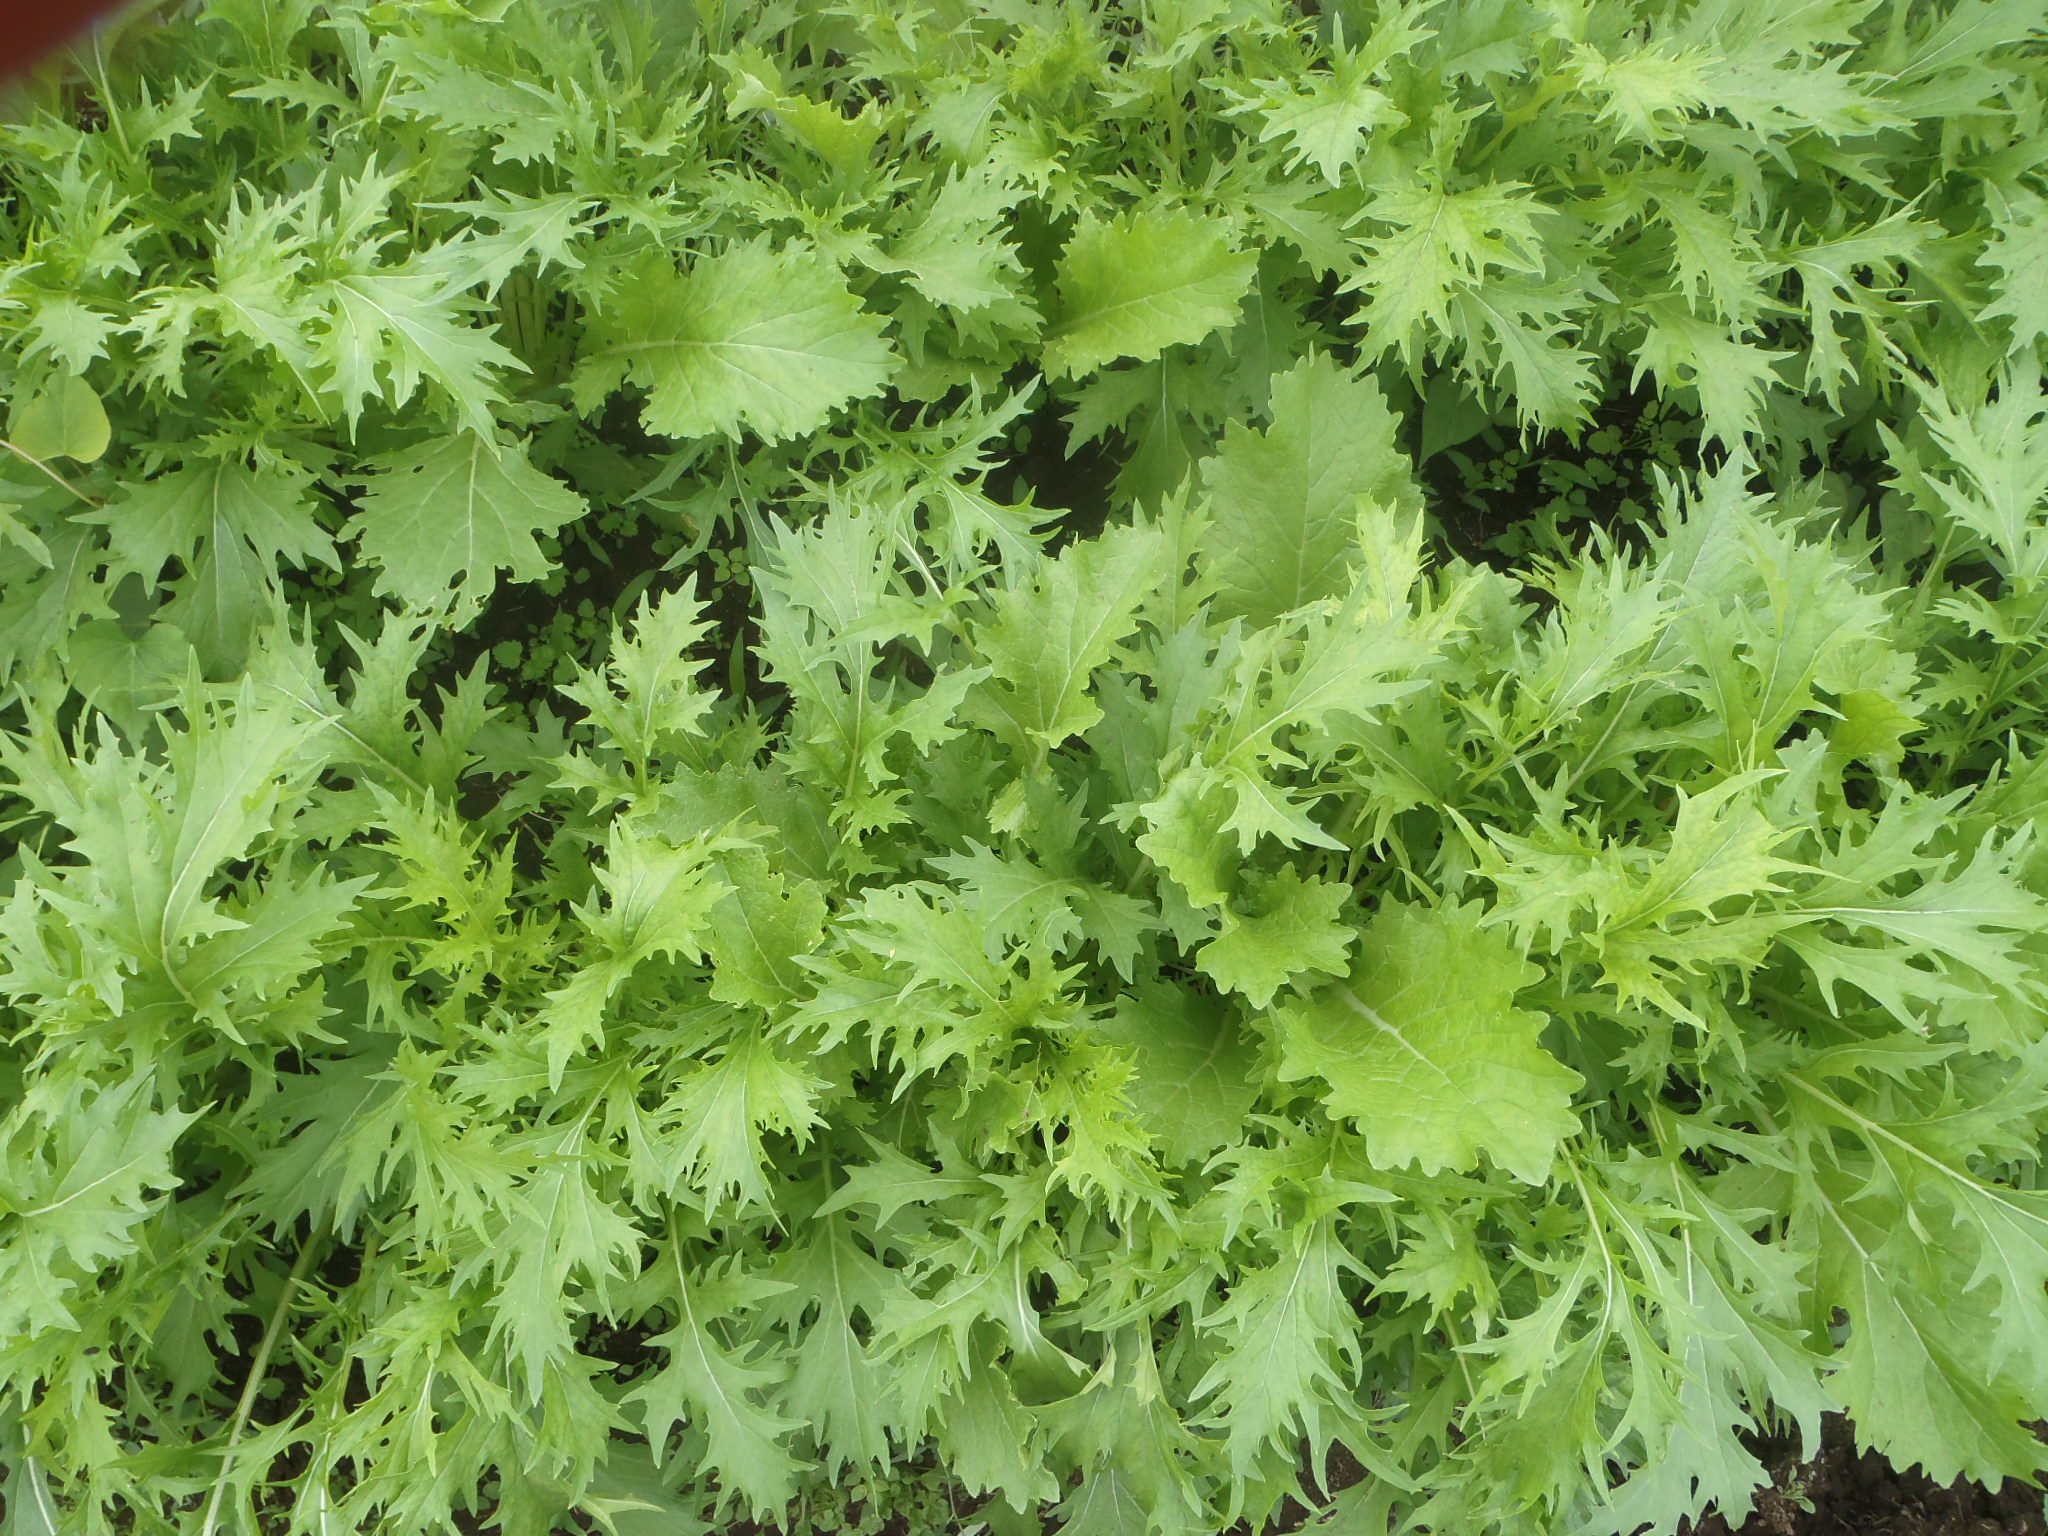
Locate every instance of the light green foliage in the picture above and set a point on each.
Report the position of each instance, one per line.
(1284, 503)
(1134, 286)
(1293, 927)
(1045, 642)
(75, 1193)
(584, 857)
(1284, 1346)
(755, 340)
(443, 519)
(62, 420)
(1422, 1046)
(227, 524)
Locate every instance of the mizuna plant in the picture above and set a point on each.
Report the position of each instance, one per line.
(1106, 1004)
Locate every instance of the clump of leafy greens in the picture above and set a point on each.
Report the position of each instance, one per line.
(1111, 1005)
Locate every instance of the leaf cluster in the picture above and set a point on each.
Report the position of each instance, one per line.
(1112, 1007)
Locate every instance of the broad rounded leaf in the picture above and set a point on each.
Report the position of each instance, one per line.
(1136, 285)
(63, 420)
(756, 340)
(1423, 1047)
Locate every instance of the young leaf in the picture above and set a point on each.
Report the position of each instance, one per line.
(2021, 256)
(1423, 1047)
(755, 340)
(761, 930)
(717, 1113)
(74, 1191)
(1293, 929)
(717, 1389)
(63, 419)
(230, 526)
(1283, 503)
(1137, 284)
(1288, 1347)
(954, 252)
(660, 899)
(649, 694)
(442, 519)
(1327, 122)
(1046, 640)
(1196, 1076)
(380, 333)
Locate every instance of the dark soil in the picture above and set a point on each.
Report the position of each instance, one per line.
(1840, 1492)
(1843, 1493)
